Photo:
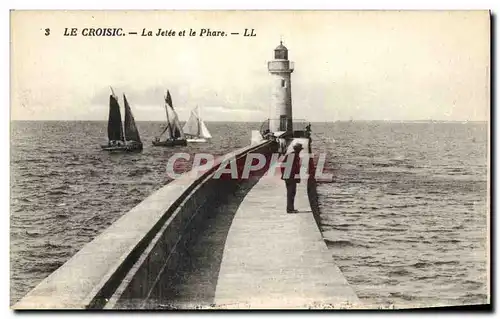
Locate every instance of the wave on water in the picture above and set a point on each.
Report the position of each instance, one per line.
(341, 243)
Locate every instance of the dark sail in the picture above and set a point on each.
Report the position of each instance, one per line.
(131, 133)
(115, 128)
(168, 100)
(175, 131)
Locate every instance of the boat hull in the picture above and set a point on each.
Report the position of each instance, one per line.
(122, 148)
(196, 140)
(170, 143)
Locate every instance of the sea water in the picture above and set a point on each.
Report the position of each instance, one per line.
(405, 216)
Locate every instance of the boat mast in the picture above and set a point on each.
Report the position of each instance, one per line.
(112, 91)
(121, 126)
(199, 119)
(124, 114)
(168, 120)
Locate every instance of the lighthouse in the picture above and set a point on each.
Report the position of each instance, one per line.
(281, 106)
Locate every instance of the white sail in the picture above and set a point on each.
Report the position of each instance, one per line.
(195, 126)
(191, 127)
(204, 130)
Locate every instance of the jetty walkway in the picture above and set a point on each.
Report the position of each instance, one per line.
(277, 260)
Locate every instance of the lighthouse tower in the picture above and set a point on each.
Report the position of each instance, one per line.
(281, 108)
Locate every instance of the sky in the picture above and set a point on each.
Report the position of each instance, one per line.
(370, 65)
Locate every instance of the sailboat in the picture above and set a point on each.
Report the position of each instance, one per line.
(195, 129)
(121, 138)
(172, 130)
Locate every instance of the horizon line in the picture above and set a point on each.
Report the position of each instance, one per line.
(234, 121)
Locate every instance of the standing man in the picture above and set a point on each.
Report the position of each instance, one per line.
(289, 173)
(308, 130)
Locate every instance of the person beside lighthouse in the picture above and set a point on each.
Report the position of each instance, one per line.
(291, 175)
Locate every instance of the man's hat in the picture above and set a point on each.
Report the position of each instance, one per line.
(297, 147)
